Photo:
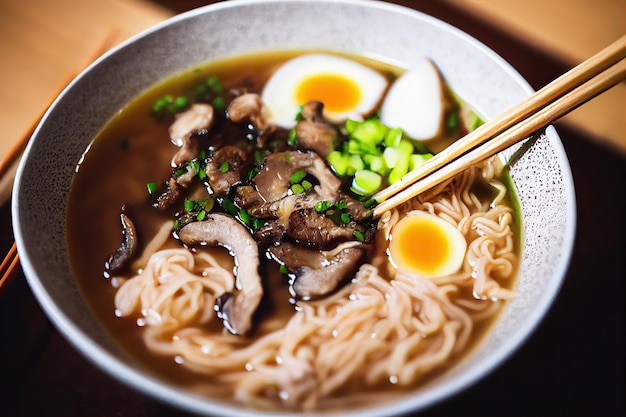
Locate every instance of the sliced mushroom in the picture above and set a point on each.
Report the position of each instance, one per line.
(308, 227)
(124, 254)
(246, 107)
(273, 180)
(197, 118)
(224, 169)
(318, 273)
(220, 229)
(314, 132)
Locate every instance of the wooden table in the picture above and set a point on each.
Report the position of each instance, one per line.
(571, 365)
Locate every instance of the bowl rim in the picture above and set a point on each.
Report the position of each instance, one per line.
(162, 390)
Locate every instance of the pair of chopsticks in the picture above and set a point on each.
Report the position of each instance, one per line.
(8, 165)
(572, 89)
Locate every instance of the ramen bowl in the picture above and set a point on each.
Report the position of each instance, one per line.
(540, 173)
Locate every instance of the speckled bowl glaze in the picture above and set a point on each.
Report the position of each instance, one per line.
(541, 175)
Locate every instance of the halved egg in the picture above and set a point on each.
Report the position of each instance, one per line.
(415, 102)
(426, 245)
(347, 88)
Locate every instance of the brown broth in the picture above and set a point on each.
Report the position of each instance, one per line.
(131, 151)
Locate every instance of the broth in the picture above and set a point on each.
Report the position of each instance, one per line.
(133, 150)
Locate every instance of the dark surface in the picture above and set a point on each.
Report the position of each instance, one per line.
(573, 364)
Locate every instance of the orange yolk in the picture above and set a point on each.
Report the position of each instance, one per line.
(338, 93)
(426, 245)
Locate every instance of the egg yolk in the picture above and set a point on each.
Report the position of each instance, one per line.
(338, 93)
(426, 245)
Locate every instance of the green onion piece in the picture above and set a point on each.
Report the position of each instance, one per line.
(377, 164)
(224, 167)
(418, 159)
(245, 217)
(322, 206)
(201, 215)
(366, 182)
(189, 205)
(293, 138)
(283, 269)
(218, 103)
(355, 163)
(370, 132)
(359, 236)
(202, 154)
(393, 137)
(259, 156)
(405, 150)
(228, 206)
(476, 121)
(297, 176)
(351, 125)
(257, 223)
(341, 204)
(252, 173)
(180, 104)
(391, 157)
(176, 224)
(338, 162)
(297, 189)
(215, 84)
(152, 187)
(454, 123)
(202, 173)
(345, 218)
(306, 185)
(299, 114)
(370, 203)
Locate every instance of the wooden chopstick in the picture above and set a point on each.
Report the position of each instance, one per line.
(448, 164)
(8, 267)
(582, 73)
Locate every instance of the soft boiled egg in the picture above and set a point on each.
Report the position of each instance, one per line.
(426, 245)
(415, 102)
(347, 89)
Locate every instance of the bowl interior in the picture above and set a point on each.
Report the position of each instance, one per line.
(542, 177)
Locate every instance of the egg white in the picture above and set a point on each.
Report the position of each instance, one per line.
(278, 96)
(454, 257)
(415, 103)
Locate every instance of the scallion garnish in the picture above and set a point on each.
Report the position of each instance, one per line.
(359, 236)
(297, 176)
(224, 166)
(152, 187)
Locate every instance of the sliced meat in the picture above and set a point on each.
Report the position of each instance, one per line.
(125, 253)
(314, 132)
(308, 227)
(236, 310)
(224, 169)
(318, 273)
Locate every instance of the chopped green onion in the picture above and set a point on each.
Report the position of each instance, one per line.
(297, 176)
(252, 173)
(228, 206)
(366, 182)
(245, 217)
(355, 163)
(297, 189)
(152, 187)
(345, 218)
(418, 159)
(359, 236)
(215, 84)
(180, 104)
(201, 215)
(306, 185)
(189, 205)
(283, 269)
(224, 166)
(393, 137)
(322, 206)
(341, 204)
(338, 161)
(218, 103)
(293, 138)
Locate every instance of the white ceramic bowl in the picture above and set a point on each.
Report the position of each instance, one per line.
(542, 176)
